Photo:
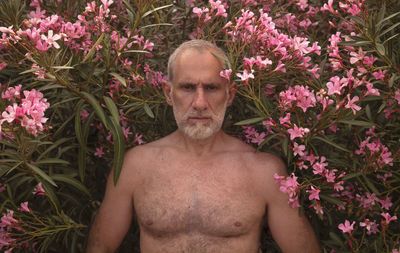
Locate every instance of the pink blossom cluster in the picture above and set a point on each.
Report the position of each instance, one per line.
(27, 109)
(290, 186)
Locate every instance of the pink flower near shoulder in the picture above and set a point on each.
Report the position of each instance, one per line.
(346, 227)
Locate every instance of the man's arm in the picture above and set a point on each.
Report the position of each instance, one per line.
(114, 217)
(292, 232)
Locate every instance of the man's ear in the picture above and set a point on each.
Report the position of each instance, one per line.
(167, 88)
(231, 93)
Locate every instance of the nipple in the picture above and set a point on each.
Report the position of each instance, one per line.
(149, 222)
(238, 224)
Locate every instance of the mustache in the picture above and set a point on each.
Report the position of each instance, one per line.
(199, 114)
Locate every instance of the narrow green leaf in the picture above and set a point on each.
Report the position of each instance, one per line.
(112, 108)
(391, 37)
(62, 67)
(53, 146)
(97, 108)
(357, 123)
(119, 78)
(136, 51)
(387, 18)
(335, 238)
(156, 9)
(153, 25)
(331, 199)
(72, 181)
(333, 144)
(148, 111)
(370, 185)
(381, 49)
(29, 71)
(41, 173)
(94, 48)
(249, 121)
(352, 175)
(357, 20)
(389, 29)
(52, 161)
(368, 112)
(119, 148)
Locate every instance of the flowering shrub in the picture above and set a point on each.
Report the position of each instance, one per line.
(318, 85)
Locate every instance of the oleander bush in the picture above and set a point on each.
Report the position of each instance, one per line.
(318, 85)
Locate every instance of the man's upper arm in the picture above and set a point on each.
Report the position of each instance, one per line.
(114, 217)
(292, 232)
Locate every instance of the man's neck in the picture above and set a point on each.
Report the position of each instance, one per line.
(202, 147)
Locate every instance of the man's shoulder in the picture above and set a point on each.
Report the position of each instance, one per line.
(151, 149)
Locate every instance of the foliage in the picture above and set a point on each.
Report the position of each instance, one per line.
(318, 85)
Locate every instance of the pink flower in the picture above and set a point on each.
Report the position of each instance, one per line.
(8, 219)
(346, 228)
(50, 39)
(42, 45)
(138, 139)
(258, 138)
(335, 85)
(379, 75)
(371, 226)
(99, 152)
(84, 115)
(24, 207)
(38, 189)
(351, 104)
(245, 75)
(298, 149)
(386, 203)
(314, 193)
(226, 74)
(388, 218)
(297, 132)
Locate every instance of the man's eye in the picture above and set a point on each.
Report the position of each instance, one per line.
(188, 87)
(211, 87)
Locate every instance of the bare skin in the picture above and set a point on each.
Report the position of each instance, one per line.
(199, 195)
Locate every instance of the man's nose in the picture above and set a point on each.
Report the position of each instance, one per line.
(200, 100)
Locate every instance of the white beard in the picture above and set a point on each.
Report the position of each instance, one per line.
(199, 130)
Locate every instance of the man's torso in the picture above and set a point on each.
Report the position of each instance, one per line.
(212, 204)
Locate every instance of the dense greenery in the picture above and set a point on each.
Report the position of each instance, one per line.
(318, 85)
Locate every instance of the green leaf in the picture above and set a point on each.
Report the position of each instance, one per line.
(380, 48)
(119, 148)
(112, 108)
(357, 20)
(333, 144)
(354, 43)
(119, 78)
(331, 199)
(153, 25)
(93, 49)
(62, 67)
(97, 108)
(368, 112)
(370, 185)
(335, 238)
(136, 51)
(41, 173)
(72, 181)
(352, 175)
(249, 121)
(357, 123)
(148, 111)
(52, 161)
(389, 29)
(53, 146)
(387, 18)
(156, 9)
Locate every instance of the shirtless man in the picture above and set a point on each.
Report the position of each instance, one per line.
(199, 190)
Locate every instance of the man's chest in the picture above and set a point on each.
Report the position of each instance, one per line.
(215, 199)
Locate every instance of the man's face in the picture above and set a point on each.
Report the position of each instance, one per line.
(198, 94)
